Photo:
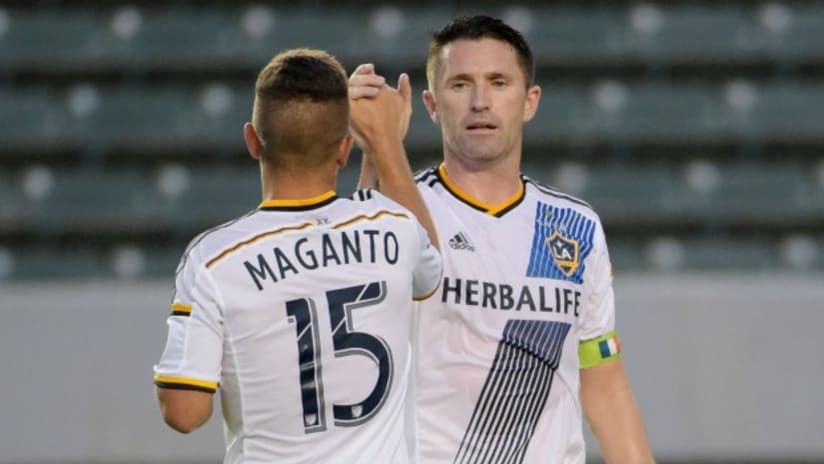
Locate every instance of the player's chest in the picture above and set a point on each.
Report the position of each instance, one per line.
(520, 265)
(536, 241)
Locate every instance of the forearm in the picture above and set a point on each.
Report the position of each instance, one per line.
(368, 175)
(394, 176)
(613, 415)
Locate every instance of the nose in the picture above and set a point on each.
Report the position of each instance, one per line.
(480, 98)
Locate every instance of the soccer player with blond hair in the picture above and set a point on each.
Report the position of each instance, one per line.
(300, 311)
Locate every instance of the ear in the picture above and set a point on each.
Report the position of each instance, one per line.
(253, 143)
(533, 96)
(431, 106)
(345, 147)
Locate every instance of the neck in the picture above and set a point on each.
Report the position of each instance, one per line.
(489, 182)
(283, 184)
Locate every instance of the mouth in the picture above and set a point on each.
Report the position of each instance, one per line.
(481, 126)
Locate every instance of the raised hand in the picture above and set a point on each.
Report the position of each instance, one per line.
(364, 82)
(379, 113)
(379, 120)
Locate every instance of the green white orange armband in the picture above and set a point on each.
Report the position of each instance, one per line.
(599, 350)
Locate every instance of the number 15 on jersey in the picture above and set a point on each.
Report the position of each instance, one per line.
(346, 342)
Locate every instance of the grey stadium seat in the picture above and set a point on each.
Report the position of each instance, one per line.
(666, 112)
(566, 35)
(564, 114)
(49, 39)
(43, 263)
(107, 201)
(32, 119)
(170, 118)
(803, 40)
(693, 34)
(762, 194)
(637, 195)
(790, 112)
(183, 38)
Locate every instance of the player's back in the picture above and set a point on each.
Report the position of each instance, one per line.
(314, 302)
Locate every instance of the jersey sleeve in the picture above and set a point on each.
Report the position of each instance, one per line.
(427, 274)
(192, 357)
(598, 341)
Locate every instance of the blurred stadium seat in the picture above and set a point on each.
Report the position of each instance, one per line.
(762, 195)
(32, 120)
(790, 112)
(663, 112)
(697, 33)
(45, 40)
(695, 129)
(184, 38)
(83, 202)
(578, 35)
(796, 34)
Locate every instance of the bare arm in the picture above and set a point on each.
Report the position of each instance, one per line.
(368, 174)
(379, 124)
(184, 410)
(365, 83)
(613, 415)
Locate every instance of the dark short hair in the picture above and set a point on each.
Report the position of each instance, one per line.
(301, 105)
(476, 28)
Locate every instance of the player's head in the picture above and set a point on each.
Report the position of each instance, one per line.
(480, 74)
(301, 110)
(476, 28)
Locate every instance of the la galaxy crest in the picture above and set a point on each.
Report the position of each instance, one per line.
(564, 251)
(562, 240)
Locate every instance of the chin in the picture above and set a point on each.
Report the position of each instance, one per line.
(482, 153)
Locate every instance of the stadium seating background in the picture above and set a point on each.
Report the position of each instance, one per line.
(695, 128)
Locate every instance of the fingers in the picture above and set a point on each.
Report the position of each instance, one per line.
(364, 82)
(363, 91)
(365, 68)
(404, 87)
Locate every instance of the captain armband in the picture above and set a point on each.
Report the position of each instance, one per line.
(599, 350)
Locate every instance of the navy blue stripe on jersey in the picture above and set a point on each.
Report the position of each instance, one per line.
(514, 393)
(562, 240)
(555, 193)
(425, 175)
(362, 194)
(428, 177)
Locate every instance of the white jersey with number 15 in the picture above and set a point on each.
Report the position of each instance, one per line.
(300, 313)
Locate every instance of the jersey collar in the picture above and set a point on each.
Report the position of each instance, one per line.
(299, 204)
(493, 210)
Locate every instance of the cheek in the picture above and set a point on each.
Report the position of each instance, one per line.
(449, 120)
(517, 112)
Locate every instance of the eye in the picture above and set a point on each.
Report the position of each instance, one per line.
(499, 83)
(459, 85)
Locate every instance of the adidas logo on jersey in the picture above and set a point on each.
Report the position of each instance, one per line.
(460, 242)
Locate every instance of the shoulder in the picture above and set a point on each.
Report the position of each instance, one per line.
(427, 178)
(548, 194)
(364, 194)
(373, 202)
(210, 240)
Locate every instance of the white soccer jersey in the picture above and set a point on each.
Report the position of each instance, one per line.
(524, 284)
(301, 313)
